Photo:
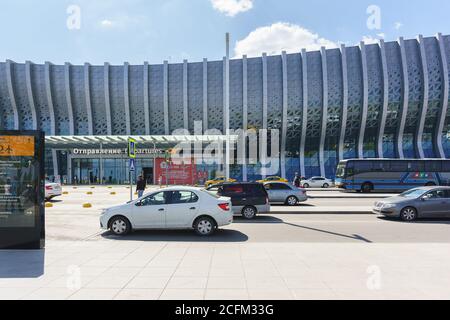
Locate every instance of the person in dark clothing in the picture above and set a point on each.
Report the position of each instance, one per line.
(140, 186)
(297, 180)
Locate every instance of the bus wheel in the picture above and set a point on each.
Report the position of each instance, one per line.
(367, 187)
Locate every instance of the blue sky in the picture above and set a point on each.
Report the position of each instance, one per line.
(157, 30)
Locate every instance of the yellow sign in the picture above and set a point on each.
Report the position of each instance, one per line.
(16, 146)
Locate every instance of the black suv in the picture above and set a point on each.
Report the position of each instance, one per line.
(247, 198)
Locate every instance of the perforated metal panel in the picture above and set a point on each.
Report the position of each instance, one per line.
(40, 97)
(78, 94)
(21, 95)
(195, 93)
(136, 96)
(59, 99)
(236, 94)
(156, 99)
(395, 79)
(255, 93)
(176, 96)
(117, 100)
(96, 79)
(6, 109)
(215, 95)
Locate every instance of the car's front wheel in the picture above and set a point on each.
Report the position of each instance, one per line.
(120, 226)
(408, 214)
(204, 226)
(249, 212)
(292, 201)
(305, 185)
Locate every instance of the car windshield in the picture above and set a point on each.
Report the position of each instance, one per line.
(414, 193)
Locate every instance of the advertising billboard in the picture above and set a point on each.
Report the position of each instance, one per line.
(21, 189)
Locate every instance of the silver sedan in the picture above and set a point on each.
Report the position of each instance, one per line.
(423, 202)
(282, 192)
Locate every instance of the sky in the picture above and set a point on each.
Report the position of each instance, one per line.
(115, 31)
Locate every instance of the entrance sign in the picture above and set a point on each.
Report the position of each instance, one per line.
(22, 223)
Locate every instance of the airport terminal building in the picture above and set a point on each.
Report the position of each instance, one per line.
(385, 100)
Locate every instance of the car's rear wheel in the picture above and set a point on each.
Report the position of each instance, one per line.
(249, 212)
(292, 201)
(204, 226)
(305, 185)
(120, 226)
(408, 214)
(325, 185)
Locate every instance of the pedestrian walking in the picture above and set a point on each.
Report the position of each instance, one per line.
(297, 180)
(140, 186)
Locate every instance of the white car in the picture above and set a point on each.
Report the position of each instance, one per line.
(52, 189)
(170, 208)
(317, 182)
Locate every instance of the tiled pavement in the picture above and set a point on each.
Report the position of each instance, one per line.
(127, 269)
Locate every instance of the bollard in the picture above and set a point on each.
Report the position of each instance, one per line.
(113, 193)
(89, 192)
(87, 205)
(48, 205)
(65, 192)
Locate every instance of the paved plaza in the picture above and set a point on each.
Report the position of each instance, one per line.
(281, 255)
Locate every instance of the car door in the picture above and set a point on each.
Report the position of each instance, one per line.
(182, 207)
(149, 212)
(277, 192)
(446, 211)
(432, 204)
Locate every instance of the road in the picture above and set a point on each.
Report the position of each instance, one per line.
(337, 222)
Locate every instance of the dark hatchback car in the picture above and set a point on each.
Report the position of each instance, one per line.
(247, 198)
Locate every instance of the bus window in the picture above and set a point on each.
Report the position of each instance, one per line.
(446, 166)
(363, 166)
(433, 166)
(381, 166)
(399, 166)
(416, 166)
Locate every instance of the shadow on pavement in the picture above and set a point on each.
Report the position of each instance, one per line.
(21, 263)
(221, 235)
(257, 219)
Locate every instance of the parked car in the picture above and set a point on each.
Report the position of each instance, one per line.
(423, 202)
(247, 198)
(282, 192)
(218, 180)
(272, 178)
(52, 189)
(170, 208)
(316, 182)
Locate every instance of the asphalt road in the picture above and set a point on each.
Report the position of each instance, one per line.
(67, 220)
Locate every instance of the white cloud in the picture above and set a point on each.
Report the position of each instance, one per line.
(280, 36)
(373, 40)
(106, 23)
(232, 7)
(398, 25)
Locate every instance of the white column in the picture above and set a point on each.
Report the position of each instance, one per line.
(426, 94)
(12, 97)
(227, 115)
(384, 108)
(146, 100)
(51, 109)
(443, 112)
(30, 94)
(324, 111)
(344, 102)
(264, 136)
(126, 95)
(304, 112)
(244, 115)
(365, 105)
(284, 115)
(404, 112)
(87, 93)
(205, 94)
(107, 98)
(166, 97)
(185, 95)
(69, 98)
